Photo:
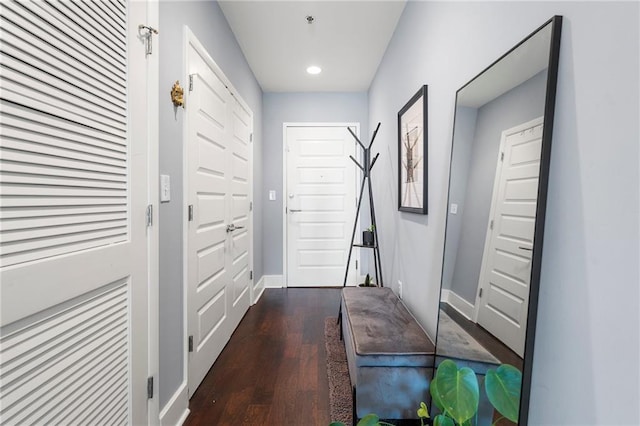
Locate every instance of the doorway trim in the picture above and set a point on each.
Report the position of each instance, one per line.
(285, 126)
(153, 232)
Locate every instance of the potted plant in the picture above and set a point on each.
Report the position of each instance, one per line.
(367, 236)
(368, 282)
(456, 393)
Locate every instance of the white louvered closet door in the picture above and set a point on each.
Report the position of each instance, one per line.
(73, 193)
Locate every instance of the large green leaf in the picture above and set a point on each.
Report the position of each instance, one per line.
(503, 389)
(369, 420)
(457, 391)
(442, 420)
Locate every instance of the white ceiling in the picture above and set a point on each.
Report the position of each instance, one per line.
(347, 39)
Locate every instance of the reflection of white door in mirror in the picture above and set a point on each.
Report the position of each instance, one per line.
(503, 297)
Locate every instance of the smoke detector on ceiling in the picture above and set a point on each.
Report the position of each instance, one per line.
(310, 19)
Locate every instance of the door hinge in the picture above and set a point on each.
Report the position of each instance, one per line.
(491, 224)
(191, 82)
(356, 264)
(502, 156)
(250, 206)
(480, 294)
(150, 215)
(190, 346)
(250, 275)
(150, 387)
(251, 137)
(190, 212)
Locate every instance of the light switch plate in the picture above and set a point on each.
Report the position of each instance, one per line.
(454, 208)
(165, 188)
(272, 195)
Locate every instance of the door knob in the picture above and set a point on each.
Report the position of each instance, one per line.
(232, 227)
(295, 210)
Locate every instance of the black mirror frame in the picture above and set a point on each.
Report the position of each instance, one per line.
(541, 208)
(545, 159)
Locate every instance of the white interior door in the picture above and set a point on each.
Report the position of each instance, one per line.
(73, 244)
(506, 270)
(218, 233)
(320, 204)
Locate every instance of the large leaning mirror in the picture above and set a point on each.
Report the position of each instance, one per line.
(495, 216)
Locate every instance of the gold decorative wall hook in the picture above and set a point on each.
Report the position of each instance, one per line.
(177, 94)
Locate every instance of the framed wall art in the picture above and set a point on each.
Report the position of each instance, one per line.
(412, 154)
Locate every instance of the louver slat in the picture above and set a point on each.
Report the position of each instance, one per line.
(30, 120)
(27, 90)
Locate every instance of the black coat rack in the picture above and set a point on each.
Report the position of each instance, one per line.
(366, 167)
(366, 179)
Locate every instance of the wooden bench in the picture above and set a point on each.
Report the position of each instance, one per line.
(390, 357)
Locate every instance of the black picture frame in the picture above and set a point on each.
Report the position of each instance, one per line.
(412, 154)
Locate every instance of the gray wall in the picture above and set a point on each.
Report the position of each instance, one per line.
(517, 106)
(588, 307)
(279, 108)
(464, 131)
(206, 21)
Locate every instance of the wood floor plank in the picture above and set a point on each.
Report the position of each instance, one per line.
(308, 373)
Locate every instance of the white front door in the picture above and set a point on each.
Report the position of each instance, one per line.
(320, 200)
(218, 155)
(73, 243)
(506, 268)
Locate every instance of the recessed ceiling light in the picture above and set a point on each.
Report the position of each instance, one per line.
(314, 70)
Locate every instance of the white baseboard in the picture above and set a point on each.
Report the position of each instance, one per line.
(273, 281)
(458, 303)
(177, 409)
(258, 289)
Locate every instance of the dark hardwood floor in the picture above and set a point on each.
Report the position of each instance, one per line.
(273, 370)
(486, 339)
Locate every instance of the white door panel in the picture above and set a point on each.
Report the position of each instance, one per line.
(506, 268)
(218, 187)
(239, 194)
(74, 155)
(320, 201)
